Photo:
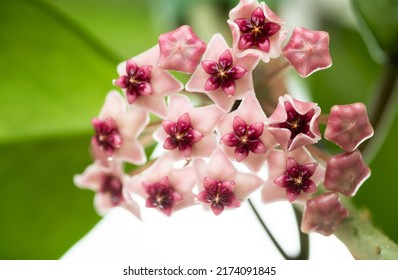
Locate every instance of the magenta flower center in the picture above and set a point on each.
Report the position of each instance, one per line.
(112, 186)
(181, 135)
(137, 81)
(245, 138)
(296, 122)
(161, 195)
(218, 194)
(107, 135)
(256, 31)
(223, 74)
(297, 178)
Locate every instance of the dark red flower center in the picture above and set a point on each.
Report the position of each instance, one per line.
(107, 135)
(112, 186)
(223, 73)
(297, 178)
(256, 31)
(137, 81)
(245, 138)
(161, 195)
(219, 194)
(181, 135)
(296, 122)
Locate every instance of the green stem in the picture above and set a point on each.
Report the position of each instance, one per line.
(78, 30)
(383, 110)
(363, 239)
(304, 241)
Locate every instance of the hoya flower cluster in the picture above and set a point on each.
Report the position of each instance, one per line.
(203, 145)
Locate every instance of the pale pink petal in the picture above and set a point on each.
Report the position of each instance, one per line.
(180, 49)
(323, 214)
(244, 9)
(348, 126)
(276, 165)
(243, 86)
(308, 51)
(113, 106)
(132, 151)
(251, 112)
(346, 172)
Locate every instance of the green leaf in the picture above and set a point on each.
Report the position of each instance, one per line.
(380, 20)
(55, 74)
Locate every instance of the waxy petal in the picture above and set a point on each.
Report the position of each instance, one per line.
(308, 51)
(241, 153)
(180, 49)
(225, 60)
(258, 16)
(210, 66)
(184, 122)
(348, 126)
(230, 139)
(239, 126)
(244, 24)
(131, 67)
(323, 214)
(228, 87)
(257, 147)
(212, 83)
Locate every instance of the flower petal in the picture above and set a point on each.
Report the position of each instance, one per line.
(210, 66)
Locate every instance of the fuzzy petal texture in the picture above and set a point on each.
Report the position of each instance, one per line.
(346, 172)
(308, 51)
(182, 180)
(244, 10)
(323, 214)
(348, 126)
(221, 169)
(309, 133)
(251, 112)
(180, 49)
(203, 120)
(242, 86)
(129, 124)
(109, 183)
(276, 165)
(161, 81)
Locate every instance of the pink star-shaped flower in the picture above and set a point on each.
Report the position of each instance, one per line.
(221, 185)
(187, 132)
(348, 126)
(163, 187)
(116, 132)
(145, 84)
(256, 30)
(345, 173)
(244, 136)
(308, 51)
(109, 184)
(221, 75)
(292, 176)
(180, 49)
(323, 214)
(295, 123)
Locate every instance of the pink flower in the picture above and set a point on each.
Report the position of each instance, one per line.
(109, 184)
(145, 84)
(295, 123)
(243, 135)
(116, 132)
(164, 187)
(348, 126)
(323, 214)
(345, 173)
(292, 176)
(187, 131)
(221, 75)
(221, 185)
(308, 51)
(256, 30)
(180, 49)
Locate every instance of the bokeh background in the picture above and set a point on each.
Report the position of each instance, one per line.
(57, 61)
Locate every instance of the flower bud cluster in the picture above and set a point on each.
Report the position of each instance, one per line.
(226, 130)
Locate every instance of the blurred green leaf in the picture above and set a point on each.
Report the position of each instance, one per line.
(380, 19)
(55, 74)
(42, 213)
